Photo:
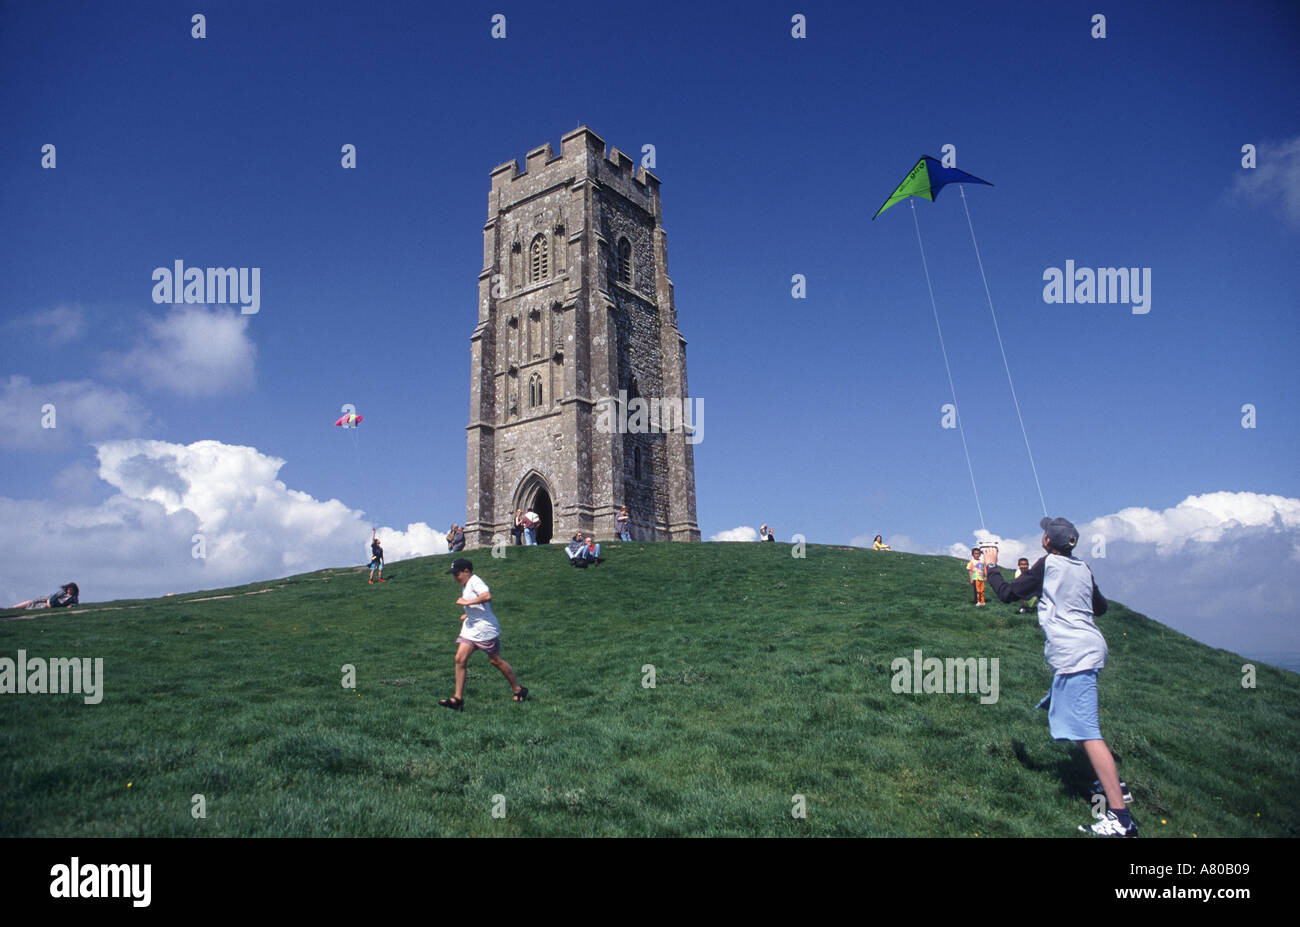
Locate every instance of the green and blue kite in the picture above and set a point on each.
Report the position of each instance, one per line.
(926, 180)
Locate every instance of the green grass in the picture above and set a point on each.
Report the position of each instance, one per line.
(773, 679)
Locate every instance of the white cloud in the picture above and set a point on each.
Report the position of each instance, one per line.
(418, 540)
(1220, 567)
(53, 327)
(1275, 181)
(1009, 549)
(140, 541)
(736, 534)
(78, 481)
(82, 410)
(193, 351)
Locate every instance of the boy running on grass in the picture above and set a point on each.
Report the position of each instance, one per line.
(479, 632)
(1076, 652)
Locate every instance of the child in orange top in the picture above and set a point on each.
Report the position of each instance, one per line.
(978, 573)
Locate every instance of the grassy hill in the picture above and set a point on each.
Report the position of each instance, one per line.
(773, 679)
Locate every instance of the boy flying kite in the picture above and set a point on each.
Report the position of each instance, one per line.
(1076, 652)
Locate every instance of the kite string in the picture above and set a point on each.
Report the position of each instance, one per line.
(942, 347)
(1005, 364)
(361, 473)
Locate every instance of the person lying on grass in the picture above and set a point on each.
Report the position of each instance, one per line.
(479, 631)
(67, 596)
(1076, 652)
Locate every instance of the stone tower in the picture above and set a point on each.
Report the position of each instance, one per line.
(575, 320)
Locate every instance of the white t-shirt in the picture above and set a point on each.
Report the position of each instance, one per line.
(481, 625)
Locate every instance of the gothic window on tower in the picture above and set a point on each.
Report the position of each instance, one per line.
(539, 260)
(534, 390)
(625, 261)
(636, 462)
(535, 333)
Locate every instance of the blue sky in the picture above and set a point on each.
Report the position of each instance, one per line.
(822, 414)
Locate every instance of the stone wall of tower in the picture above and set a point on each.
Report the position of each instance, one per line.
(580, 335)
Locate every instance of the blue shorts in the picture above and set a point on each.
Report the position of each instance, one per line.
(376, 562)
(1072, 706)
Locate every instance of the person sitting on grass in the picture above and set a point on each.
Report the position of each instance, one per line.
(67, 595)
(879, 544)
(590, 553)
(575, 549)
(1075, 650)
(479, 631)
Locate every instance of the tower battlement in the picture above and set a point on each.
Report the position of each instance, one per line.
(582, 152)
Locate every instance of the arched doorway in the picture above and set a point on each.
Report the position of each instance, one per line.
(542, 506)
(535, 495)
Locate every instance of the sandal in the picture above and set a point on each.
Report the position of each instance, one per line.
(455, 704)
(522, 694)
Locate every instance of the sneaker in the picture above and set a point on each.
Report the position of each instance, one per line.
(372, 582)
(382, 580)
(1123, 788)
(1109, 826)
(1023, 610)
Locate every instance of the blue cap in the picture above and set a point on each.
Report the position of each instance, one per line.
(1061, 534)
